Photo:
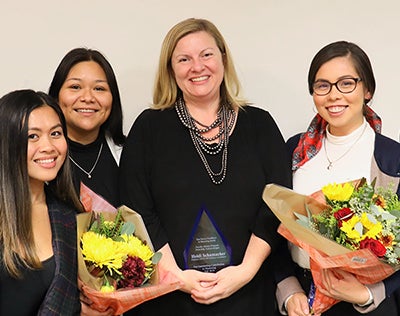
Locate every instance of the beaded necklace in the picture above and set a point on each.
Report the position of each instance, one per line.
(224, 122)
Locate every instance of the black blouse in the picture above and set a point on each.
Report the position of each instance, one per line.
(104, 178)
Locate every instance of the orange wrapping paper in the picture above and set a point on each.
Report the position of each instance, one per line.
(324, 253)
(122, 300)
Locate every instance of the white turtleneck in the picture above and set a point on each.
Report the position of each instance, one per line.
(351, 157)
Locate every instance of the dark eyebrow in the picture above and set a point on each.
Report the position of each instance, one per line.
(39, 129)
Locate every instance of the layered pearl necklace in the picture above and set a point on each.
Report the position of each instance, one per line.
(224, 122)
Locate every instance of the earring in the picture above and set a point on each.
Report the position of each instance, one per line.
(315, 109)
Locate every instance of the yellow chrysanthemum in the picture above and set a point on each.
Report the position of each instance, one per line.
(338, 192)
(102, 251)
(107, 289)
(349, 228)
(136, 248)
(373, 229)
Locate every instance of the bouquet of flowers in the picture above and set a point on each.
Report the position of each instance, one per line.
(353, 226)
(116, 260)
(360, 217)
(112, 252)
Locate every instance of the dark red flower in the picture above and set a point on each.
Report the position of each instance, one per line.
(344, 214)
(133, 271)
(374, 245)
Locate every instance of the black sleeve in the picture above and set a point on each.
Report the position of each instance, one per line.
(135, 170)
(276, 165)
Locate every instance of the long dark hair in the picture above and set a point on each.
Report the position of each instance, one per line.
(114, 124)
(16, 235)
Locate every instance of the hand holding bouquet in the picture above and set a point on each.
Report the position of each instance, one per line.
(341, 227)
(116, 261)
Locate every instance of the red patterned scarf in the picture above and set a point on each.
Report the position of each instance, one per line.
(311, 141)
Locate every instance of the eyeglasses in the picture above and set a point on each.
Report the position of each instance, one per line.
(346, 85)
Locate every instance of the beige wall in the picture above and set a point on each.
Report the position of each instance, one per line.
(272, 41)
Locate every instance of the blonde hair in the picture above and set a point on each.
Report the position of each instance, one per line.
(166, 90)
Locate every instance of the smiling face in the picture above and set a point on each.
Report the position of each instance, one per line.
(47, 146)
(86, 100)
(198, 67)
(343, 111)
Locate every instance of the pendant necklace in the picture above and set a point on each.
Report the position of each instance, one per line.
(89, 174)
(331, 162)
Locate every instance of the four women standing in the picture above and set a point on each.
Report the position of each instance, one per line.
(201, 149)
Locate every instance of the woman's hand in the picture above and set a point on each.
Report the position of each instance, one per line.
(229, 280)
(232, 278)
(87, 310)
(343, 286)
(189, 279)
(297, 305)
(197, 281)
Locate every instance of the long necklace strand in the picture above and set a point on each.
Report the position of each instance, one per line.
(331, 162)
(224, 121)
(89, 174)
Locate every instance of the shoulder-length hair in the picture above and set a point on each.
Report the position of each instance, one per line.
(166, 90)
(113, 126)
(16, 235)
(359, 58)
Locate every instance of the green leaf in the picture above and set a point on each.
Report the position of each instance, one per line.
(156, 258)
(128, 228)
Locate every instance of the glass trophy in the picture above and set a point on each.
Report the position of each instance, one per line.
(206, 250)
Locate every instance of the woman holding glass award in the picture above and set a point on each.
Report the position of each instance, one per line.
(195, 166)
(343, 143)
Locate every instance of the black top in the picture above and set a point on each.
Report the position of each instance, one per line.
(104, 178)
(24, 296)
(164, 179)
(52, 290)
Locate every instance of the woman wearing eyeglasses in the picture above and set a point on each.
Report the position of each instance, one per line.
(342, 143)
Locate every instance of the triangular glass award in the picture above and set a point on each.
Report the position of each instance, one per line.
(206, 250)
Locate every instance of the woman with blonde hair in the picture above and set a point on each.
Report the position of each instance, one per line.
(194, 167)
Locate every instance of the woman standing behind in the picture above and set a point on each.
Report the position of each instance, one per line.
(38, 204)
(343, 143)
(86, 89)
(201, 146)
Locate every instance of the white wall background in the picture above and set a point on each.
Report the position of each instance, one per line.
(272, 42)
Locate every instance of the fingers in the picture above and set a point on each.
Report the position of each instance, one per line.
(297, 305)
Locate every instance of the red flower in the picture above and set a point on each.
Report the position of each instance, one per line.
(344, 214)
(133, 272)
(379, 200)
(374, 245)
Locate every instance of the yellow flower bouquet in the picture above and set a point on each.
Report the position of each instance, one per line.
(117, 264)
(353, 226)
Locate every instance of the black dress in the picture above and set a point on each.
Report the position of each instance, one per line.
(164, 179)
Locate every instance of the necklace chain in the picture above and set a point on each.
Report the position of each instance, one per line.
(331, 162)
(224, 122)
(89, 174)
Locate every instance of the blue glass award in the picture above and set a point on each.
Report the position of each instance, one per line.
(206, 250)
